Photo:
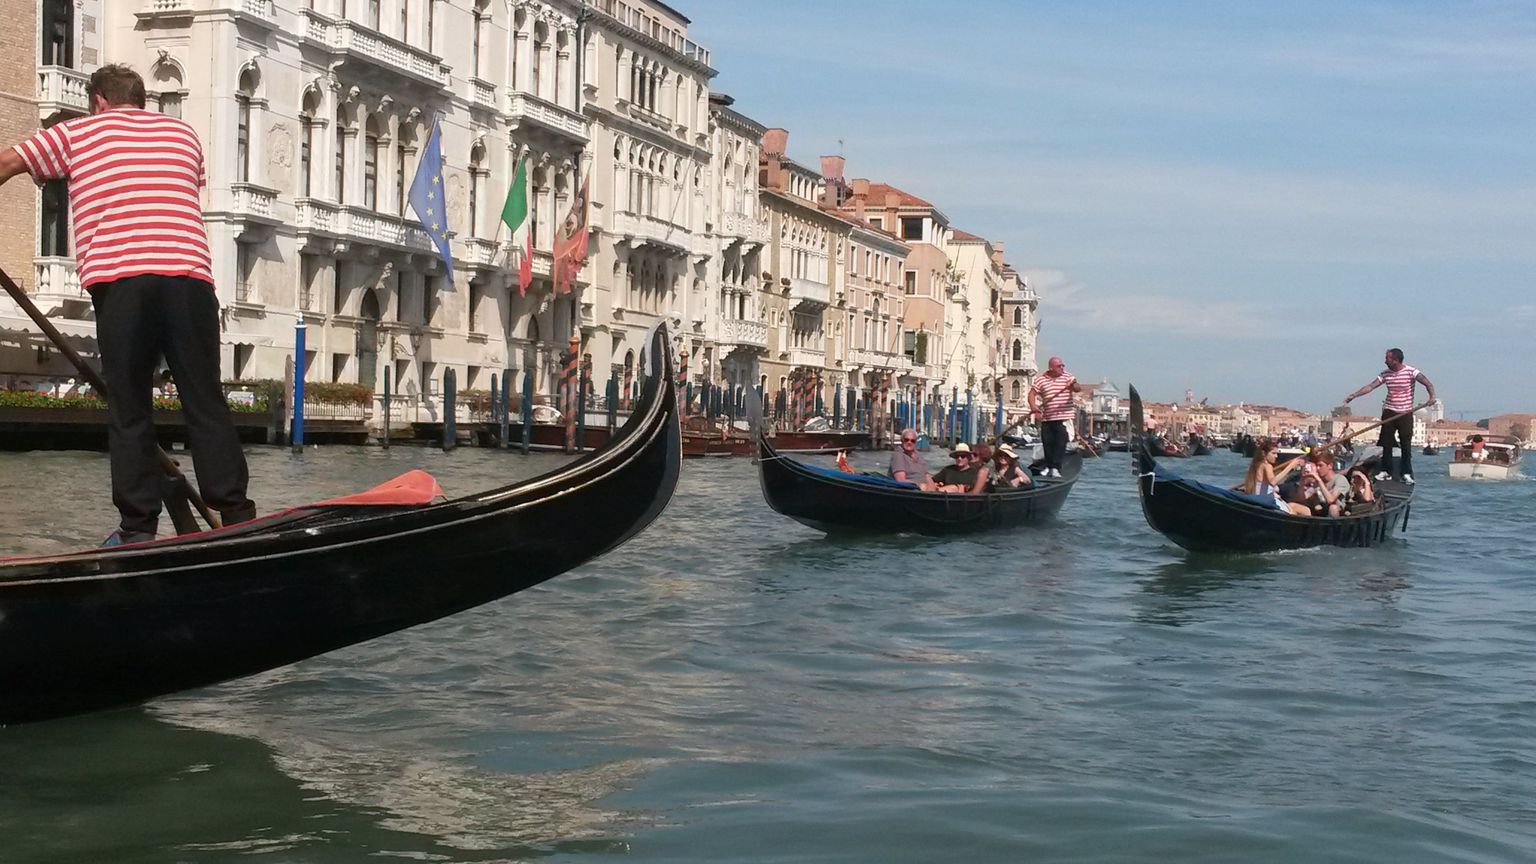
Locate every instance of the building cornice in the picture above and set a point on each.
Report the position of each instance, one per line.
(615, 26)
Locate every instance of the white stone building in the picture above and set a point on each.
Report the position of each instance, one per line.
(739, 234)
(1019, 331)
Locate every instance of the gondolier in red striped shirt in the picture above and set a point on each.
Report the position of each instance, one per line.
(135, 182)
(1051, 403)
(1396, 411)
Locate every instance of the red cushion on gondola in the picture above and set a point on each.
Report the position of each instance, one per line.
(412, 487)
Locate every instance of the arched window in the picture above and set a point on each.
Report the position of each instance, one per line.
(243, 125)
(341, 156)
(165, 79)
(1018, 316)
(1018, 351)
(307, 126)
(477, 174)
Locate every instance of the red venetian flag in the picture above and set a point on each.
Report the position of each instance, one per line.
(525, 265)
(571, 243)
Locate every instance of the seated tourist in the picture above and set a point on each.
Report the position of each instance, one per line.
(1261, 480)
(1008, 473)
(1332, 489)
(907, 464)
(967, 475)
(1361, 498)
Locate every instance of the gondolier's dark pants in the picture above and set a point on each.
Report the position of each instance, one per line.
(1399, 431)
(1053, 440)
(139, 320)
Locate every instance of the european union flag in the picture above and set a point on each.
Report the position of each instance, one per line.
(427, 197)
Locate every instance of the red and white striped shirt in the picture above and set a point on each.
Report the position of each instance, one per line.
(1399, 388)
(1055, 396)
(134, 177)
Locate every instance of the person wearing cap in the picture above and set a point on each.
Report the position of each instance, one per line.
(907, 464)
(1009, 473)
(967, 476)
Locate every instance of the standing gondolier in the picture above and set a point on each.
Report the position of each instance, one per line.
(1051, 403)
(135, 181)
(1396, 412)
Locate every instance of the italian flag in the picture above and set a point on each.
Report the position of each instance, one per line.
(514, 213)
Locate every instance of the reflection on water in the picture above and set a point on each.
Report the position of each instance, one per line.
(733, 685)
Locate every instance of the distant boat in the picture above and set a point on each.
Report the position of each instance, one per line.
(839, 502)
(1497, 459)
(1431, 450)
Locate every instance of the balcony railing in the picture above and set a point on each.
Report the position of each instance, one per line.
(60, 88)
(359, 224)
(54, 277)
(808, 292)
(254, 200)
(738, 331)
(745, 226)
(652, 229)
(482, 93)
(347, 37)
(806, 357)
(527, 108)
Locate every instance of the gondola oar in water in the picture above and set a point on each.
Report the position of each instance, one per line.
(1203, 517)
(107, 627)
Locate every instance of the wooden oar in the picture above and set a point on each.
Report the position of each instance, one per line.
(1290, 463)
(92, 377)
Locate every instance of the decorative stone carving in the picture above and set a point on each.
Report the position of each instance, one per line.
(456, 196)
(280, 155)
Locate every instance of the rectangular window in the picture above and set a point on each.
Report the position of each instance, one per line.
(338, 367)
(306, 151)
(54, 236)
(371, 172)
(474, 203)
(909, 281)
(877, 222)
(474, 55)
(339, 290)
(243, 138)
(911, 227)
(341, 163)
(431, 24)
(475, 293)
(405, 20)
(170, 104)
(400, 161)
(428, 288)
(375, 11)
(309, 272)
(243, 272)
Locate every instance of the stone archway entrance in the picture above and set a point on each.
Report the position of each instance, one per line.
(368, 341)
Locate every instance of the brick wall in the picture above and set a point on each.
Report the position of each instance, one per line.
(18, 119)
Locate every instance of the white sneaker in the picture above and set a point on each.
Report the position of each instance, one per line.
(1383, 475)
(1052, 472)
(1408, 478)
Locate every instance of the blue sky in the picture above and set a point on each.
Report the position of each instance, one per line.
(1248, 200)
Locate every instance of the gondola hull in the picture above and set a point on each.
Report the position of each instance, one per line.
(1204, 518)
(821, 500)
(104, 628)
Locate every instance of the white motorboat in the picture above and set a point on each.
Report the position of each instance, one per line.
(1486, 457)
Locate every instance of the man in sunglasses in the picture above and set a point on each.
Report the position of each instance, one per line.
(967, 476)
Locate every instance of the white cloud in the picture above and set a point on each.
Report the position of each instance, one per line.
(1071, 302)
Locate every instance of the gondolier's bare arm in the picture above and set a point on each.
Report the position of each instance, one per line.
(11, 164)
(1428, 387)
(1375, 382)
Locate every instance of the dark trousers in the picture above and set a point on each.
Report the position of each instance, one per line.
(1053, 440)
(1400, 431)
(139, 320)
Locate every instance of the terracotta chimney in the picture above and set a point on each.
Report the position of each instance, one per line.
(832, 167)
(860, 186)
(775, 141)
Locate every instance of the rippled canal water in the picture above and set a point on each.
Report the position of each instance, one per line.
(730, 686)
